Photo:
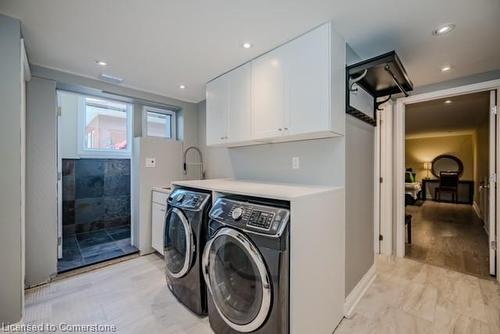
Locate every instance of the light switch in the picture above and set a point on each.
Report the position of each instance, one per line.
(150, 162)
(295, 162)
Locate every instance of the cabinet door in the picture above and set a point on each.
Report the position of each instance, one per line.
(217, 108)
(240, 104)
(268, 90)
(157, 226)
(307, 64)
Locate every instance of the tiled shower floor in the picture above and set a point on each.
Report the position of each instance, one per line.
(83, 249)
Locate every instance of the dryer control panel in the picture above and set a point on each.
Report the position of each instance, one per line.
(263, 219)
(187, 199)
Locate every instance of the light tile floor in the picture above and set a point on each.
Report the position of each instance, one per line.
(412, 297)
(406, 297)
(132, 295)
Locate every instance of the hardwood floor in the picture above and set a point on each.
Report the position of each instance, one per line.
(450, 236)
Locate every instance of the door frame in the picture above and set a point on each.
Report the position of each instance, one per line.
(376, 186)
(59, 180)
(397, 222)
(384, 180)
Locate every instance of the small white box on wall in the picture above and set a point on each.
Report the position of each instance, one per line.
(150, 162)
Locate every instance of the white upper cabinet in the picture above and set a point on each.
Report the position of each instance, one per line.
(239, 121)
(269, 95)
(217, 109)
(308, 69)
(294, 92)
(229, 107)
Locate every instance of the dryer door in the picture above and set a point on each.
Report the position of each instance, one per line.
(178, 243)
(237, 279)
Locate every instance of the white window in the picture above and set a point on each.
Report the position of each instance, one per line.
(159, 123)
(104, 127)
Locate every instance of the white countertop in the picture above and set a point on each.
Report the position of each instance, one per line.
(165, 189)
(283, 191)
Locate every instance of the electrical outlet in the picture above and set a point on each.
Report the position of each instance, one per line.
(295, 162)
(150, 162)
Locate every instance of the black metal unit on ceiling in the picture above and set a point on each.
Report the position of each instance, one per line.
(381, 76)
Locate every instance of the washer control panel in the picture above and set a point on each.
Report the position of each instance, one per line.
(259, 218)
(186, 199)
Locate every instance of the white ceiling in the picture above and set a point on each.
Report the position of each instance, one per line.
(436, 118)
(156, 45)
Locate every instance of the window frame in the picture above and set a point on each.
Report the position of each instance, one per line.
(165, 111)
(84, 152)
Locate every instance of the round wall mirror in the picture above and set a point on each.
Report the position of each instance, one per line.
(447, 163)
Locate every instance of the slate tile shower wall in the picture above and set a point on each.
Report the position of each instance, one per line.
(96, 194)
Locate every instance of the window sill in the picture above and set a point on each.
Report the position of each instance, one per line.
(104, 155)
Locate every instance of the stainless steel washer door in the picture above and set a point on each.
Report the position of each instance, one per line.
(237, 279)
(178, 243)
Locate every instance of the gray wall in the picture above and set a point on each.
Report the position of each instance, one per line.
(42, 98)
(41, 187)
(11, 263)
(186, 117)
(360, 163)
(468, 80)
(360, 138)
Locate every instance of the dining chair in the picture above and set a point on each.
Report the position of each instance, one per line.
(448, 183)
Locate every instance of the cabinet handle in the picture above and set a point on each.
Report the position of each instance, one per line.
(221, 138)
(162, 210)
(286, 129)
(280, 129)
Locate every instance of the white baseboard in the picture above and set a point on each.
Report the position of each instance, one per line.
(476, 209)
(359, 290)
(478, 214)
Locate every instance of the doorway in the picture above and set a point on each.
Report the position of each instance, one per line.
(398, 224)
(446, 167)
(94, 151)
(394, 223)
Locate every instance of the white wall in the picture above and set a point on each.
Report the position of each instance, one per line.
(167, 169)
(69, 125)
(41, 187)
(11, 253)
(320, 162)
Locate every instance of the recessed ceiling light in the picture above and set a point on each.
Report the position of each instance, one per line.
(101, 63)
(446, 68)
(246, 45)
(443, 29)
(182, 87)
(448, 101)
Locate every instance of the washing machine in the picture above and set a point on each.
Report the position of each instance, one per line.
(246, 266)
(185, 235)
